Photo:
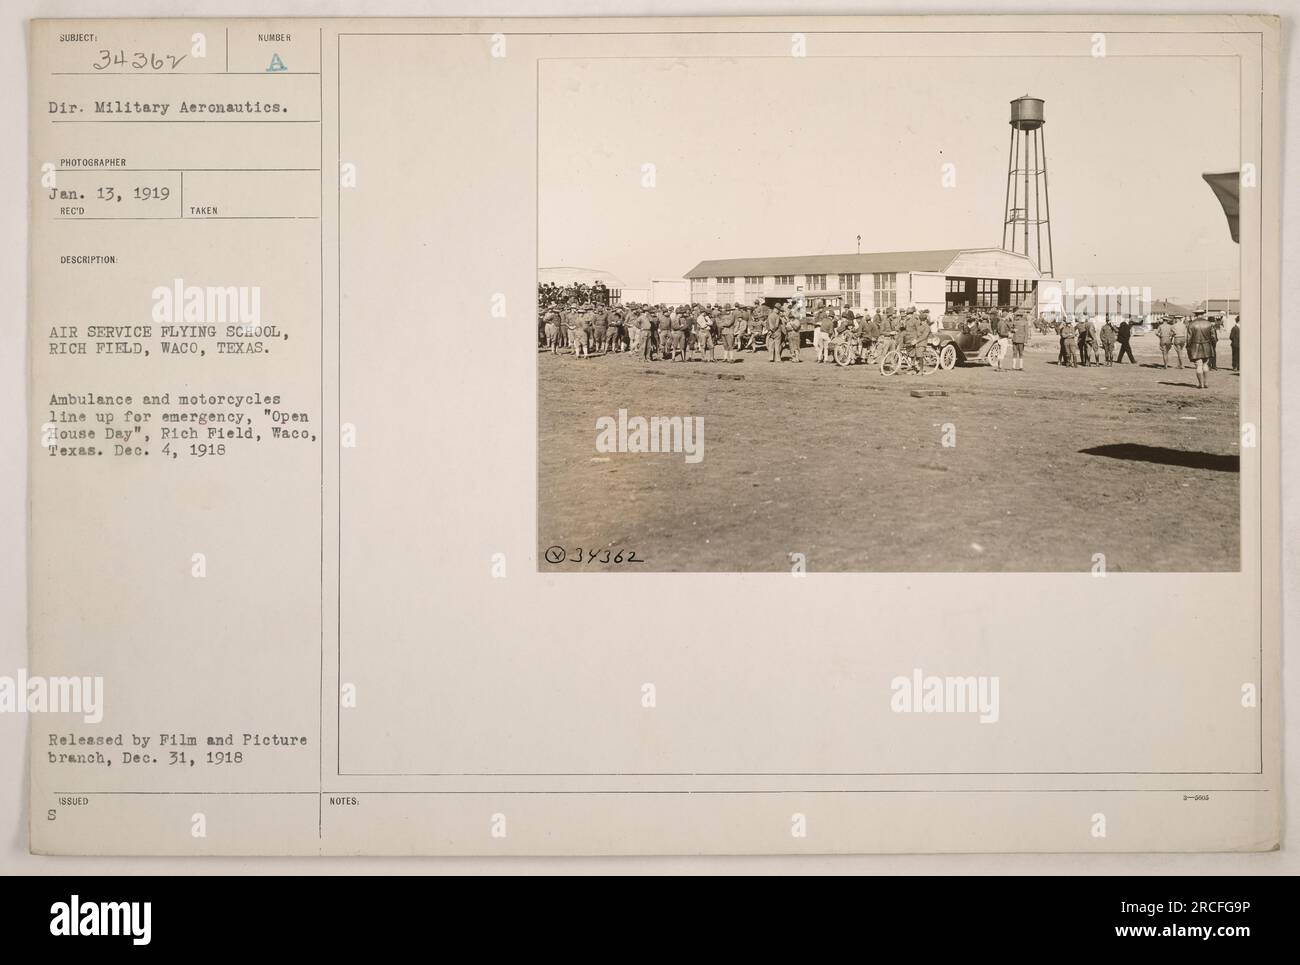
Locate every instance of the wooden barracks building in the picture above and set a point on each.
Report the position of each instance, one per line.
(942, 281)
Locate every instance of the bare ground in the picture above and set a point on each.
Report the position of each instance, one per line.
(1051, 466)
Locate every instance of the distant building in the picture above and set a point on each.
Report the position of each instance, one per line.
(669, 291)
(942, 281)
(1229, 306)
(563, 276)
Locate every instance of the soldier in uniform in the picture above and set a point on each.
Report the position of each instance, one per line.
(727, 329)
(551, 326)
(1201, 338)
(1019, 338)
(1179, 338)
(619, 335)
(793, 323)
(907, 333)
(741, 327)
(1108, 341)
(573, 329)
(773, 324)
(1062, 357)
(1085, 326)
(1094, 342)
(871, 332)
(1125, 333)
(822, 322)
(681, 322)
(599, 326)
(704, 335)
(1004, 338)
(639, 332)
(1071, 335)
(921, 325)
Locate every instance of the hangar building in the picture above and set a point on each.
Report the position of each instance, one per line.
(943, 281)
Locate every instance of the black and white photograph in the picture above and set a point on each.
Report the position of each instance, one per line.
(943, 313)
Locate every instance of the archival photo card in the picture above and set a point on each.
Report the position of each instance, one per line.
(680, 436)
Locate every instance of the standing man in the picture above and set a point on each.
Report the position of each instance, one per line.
(1069, 343)
(871, 333)
(793, 322)
(681, 327)
(918, 328)
(1180, 338)
(1084, 327)
(727, 326)
(1004, 338)
(618, 327)
(1200, 348)
(773, 336)
(821, 339)
(1019, 339)
(1108, 341)
(704, 335)
(1234, 339)
(634, 328)
(1165, 333)
(551, 327)
(1125, 333)
(599, 327)
(741, 323)
(580, 348)
(644, 337)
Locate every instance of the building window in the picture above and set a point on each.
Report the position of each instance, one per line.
(753, 287)
(699, 289)
(1021, 289)
(986, 292)
(849, 284)
(816, 283)
(725, 281)
(957, 284)
(886, 290)
(785, 279)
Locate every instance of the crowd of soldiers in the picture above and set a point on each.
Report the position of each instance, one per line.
(550, 294)
(1089, 341)
(686, 332)
(585, 327)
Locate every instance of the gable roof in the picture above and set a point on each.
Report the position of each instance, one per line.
(854, 264)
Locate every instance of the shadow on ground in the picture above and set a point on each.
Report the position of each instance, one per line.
(1166, 457)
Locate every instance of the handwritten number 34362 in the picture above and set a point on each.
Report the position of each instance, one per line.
(140, 60)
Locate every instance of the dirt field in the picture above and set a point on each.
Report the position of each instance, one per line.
(1050, 466)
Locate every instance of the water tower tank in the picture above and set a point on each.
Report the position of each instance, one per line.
(1027, 113)
(1028, 219)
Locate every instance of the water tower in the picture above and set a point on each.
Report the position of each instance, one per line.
(1027, 223)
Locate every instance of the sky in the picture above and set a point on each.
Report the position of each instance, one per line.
(791, 156)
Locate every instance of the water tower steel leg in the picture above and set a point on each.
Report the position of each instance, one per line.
(1047, 197)
(1016, 200)
(1026, 199)
(1038, 206)
(1006, 201)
